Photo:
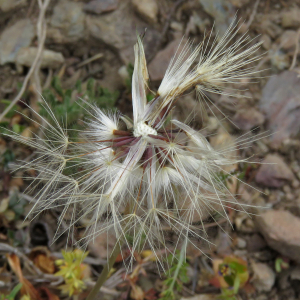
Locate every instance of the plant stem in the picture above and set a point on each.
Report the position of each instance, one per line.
(181, 260)
(103, 276)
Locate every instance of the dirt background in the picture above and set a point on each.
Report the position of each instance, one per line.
(95, 39)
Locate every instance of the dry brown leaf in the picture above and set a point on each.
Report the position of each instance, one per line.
(27, 287)
(44, 263)
(137, 293)
(41, 257)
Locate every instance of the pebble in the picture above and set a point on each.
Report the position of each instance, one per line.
(67, 23)
(291, 18)
(177, 26)
(280, 230)
(267, 42)
(147, 9)
(118, 29)
(241, 243)
(280, 103)
(255, 243)
(288, 39)
(263, 277)
(50, 59)
(123, 72)
(14, 38)
(279, 59)
(160, 62)
(274, 172)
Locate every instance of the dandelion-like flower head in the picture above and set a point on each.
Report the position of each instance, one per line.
(137, 177)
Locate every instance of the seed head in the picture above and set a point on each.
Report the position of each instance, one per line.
(155, 173)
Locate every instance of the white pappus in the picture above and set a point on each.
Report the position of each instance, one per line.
(136, 177)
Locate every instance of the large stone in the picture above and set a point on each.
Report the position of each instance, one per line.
(50, 59)
(263, 277)
(118, 29)
(8, 5)
(147, 9)
(246, 119)
(67, 23)
(280, 103)
(222, 11)
(158, 66)
(15, 38)
(281, 231)
(274, 172)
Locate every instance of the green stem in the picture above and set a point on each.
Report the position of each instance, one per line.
(179, 264)
(103, 276)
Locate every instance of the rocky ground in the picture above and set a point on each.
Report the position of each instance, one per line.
(94, 39)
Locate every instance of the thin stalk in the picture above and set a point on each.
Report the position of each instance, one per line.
(103, 276)
(181, 260)
(169, 292)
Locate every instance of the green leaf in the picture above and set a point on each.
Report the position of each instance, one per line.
(57, 86)
(236, 284)
(15, 291)
(149, 96)
(78, 86)
(229, 280)
(128, 81)
(239, 268)
(12, 111)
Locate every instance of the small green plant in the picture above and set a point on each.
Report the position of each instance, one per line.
(176, 275)
(13, 293)
(280, 264)
(72, 270)
(128, 81)
(233, 274)
(7, 157)
(70, 107)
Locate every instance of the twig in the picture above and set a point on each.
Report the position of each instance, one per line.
(222, 221)
(8, 248)
(92, 73)
(56, 280)
(42, 37)
(296, 51)
(89, 60)
(252, 16)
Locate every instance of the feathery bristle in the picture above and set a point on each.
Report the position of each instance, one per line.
(153, 175)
